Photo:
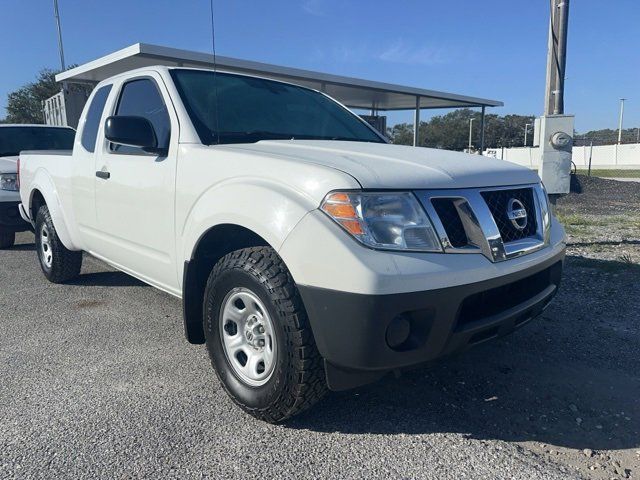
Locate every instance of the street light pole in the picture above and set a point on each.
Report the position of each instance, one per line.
(470, 132)
(620, 120)
(57, 15)
(526, 129)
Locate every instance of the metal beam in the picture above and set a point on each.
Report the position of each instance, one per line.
(482, 131)
(416, 124)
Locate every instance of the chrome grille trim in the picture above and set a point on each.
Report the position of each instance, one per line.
(483, 235)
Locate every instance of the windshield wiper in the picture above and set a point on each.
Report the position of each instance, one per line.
(251, 136)
(352, 139)
(257, 135)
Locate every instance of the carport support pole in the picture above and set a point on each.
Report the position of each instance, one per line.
(482, 131)
(416, 124)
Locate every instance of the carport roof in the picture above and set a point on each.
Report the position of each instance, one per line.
(353, 92)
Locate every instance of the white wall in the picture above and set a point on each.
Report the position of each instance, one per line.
(602, 156)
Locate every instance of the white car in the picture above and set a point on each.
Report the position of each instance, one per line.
(308, 252)
(14, 139)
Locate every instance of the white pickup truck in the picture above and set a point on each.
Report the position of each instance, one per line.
(308, 252)
(15, 138)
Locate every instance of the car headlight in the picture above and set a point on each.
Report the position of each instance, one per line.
(394, 220)
(545, 210)
(9, 181)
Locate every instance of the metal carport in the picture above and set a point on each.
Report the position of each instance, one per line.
(353, 92)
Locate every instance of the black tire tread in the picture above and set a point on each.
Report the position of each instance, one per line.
(306, 383)
(66, 263)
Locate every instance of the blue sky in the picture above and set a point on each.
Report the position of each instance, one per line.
(492, 48)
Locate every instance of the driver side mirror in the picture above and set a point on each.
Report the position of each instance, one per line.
(133, 132)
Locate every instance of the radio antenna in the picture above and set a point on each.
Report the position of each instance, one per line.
(213, 34)
(215, 68)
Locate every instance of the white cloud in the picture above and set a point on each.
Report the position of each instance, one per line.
(400, 52)
(313, 7)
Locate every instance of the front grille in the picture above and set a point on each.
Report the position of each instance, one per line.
(451, 222)
(498, 201)
(476, 220)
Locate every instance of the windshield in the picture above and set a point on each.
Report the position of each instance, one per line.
(13, 140)
(227, 108)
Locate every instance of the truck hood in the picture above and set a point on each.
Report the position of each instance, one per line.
(386, 166)
(8, 164)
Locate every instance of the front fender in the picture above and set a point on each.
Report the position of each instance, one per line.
(43, 183)
(267, 208)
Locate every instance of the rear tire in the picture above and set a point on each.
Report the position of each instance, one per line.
(259, 338)
(58, 263)
(7, 239)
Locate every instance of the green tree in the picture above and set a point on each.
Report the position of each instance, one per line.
(451, 131)
(25, 104)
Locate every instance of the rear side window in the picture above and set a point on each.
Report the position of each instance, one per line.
(94, 114)
(141, 98)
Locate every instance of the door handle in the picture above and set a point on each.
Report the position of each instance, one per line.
(103, 174)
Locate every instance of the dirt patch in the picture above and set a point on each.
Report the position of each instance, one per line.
(88, 304)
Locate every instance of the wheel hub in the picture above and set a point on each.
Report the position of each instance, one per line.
(45, 246)
(248, 336)
(254, 332)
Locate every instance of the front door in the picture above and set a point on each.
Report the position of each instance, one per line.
(135, 190)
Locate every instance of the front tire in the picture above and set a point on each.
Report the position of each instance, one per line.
(58, 263)
(7, 239)
(259, 338)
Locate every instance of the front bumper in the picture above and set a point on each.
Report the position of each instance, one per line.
(352, 329)
(10, 218)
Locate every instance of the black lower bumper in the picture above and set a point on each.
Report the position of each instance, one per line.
(10, 219)
(362, 337)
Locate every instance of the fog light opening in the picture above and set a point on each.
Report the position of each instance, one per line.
(398, 331)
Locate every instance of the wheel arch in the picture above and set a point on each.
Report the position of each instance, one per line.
(42, 193)
(211, 246)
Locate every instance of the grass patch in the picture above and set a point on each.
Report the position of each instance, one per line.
(606, 173)
(577, 225)
(577, 220)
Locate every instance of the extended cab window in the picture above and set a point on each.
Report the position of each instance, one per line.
(92, 121)
(141, 98)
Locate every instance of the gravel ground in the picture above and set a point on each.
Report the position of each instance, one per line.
(98, 382)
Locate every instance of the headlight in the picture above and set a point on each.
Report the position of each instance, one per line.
(393, 221)
(9, 181)
(545, 210)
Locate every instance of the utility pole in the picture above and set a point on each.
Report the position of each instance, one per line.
(60, 47)
(556, 58)
(555, 130)
(526, 128)
(470, 132)
(620, 120)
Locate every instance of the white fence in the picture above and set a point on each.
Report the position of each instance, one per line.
(54, 110)
(602, 156)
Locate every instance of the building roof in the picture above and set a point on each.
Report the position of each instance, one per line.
(353, 92)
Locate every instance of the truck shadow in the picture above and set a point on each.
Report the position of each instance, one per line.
(107, 279)
(23, 247)
(571, 378)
